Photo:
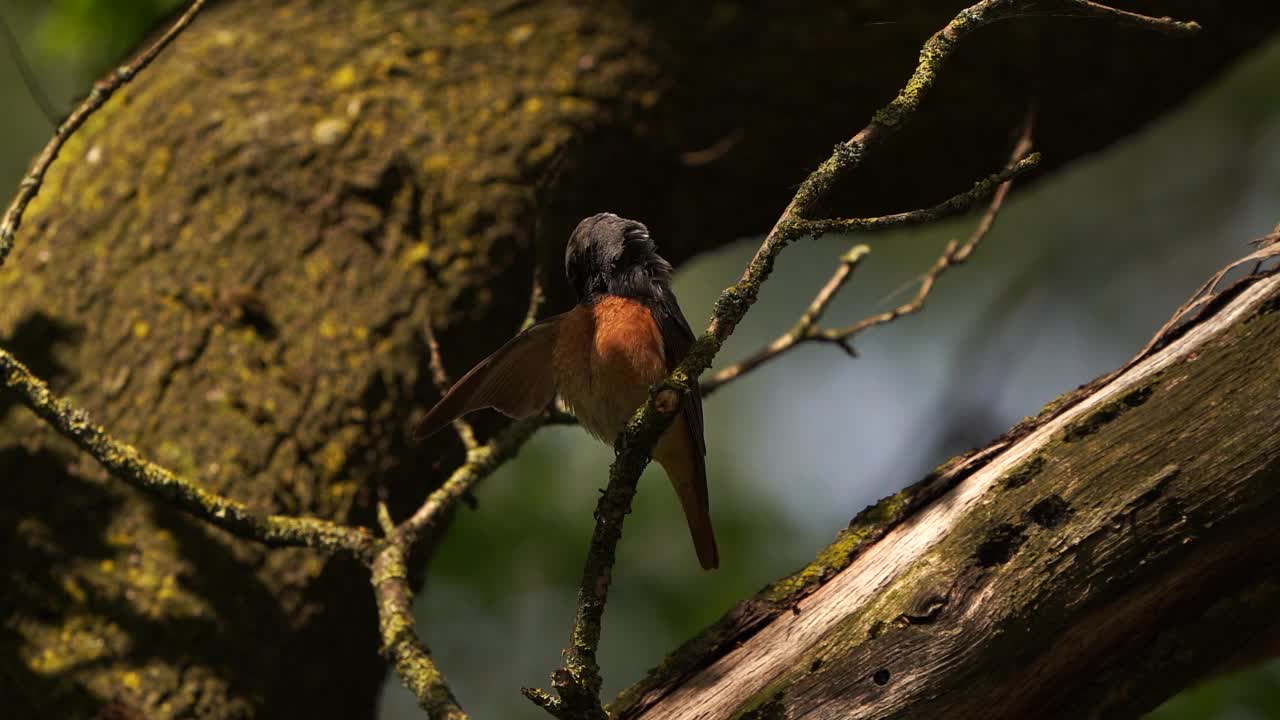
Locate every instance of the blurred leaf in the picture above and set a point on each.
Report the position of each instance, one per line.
(94, 34)
(1252, 694)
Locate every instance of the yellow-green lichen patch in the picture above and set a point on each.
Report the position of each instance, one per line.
(343, 78)
(329, 130)
(866, 526)
(79, 640)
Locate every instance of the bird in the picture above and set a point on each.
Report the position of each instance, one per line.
(624, 335)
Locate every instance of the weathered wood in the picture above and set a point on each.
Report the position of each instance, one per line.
(1088, 564)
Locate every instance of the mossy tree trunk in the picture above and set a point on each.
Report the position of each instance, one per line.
(233, 263)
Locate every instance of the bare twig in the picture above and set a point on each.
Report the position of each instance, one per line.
(807, 329)
(536, 298)
(578, 682)
(1268, 247)
(442, 381)
(800, 332)
(102, 91)
(1166, 25)
(713, 152)
(953, 254)
(27, 73)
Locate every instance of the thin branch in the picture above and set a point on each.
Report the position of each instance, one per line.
(799, 333)
(578, 682)
(102, 91)
(1166, 24)
(807, 328)
(442, 381)
(125, 462)
(981, 190)
(481, 462)
(27, 73)
(400, 642)
(953, 254)
(536, 298)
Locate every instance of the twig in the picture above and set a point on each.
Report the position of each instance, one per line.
(578, 682)
(1166, 24)
(406, 651)
(28, 75)
(953, 254)
(125, 462)
(1268, 247)
(956, 204)
(481, 462)
(400, 642)
(390, 577)
(536, 298)
(102, 91)
(807, 329)
(442, 381)
(800, 332)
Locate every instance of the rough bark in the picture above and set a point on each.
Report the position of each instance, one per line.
(1090, 563)
(233, 262)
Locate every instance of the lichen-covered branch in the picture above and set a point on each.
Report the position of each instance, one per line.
(481, 462)
(400, 642)
(807, 329)
(125, 462)
(577, 683)
(405, 650)
(981, 190)
(102, 91)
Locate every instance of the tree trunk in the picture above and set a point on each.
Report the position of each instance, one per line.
(1090, 563)
(233, 263)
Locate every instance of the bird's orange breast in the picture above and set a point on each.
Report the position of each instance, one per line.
(606, 357)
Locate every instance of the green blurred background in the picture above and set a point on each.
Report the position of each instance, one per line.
(1079, 272)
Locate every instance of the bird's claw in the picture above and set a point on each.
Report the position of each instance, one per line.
(665, 397)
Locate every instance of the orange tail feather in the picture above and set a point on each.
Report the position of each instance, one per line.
(687, 471)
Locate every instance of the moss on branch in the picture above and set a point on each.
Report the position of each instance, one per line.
(125, 462)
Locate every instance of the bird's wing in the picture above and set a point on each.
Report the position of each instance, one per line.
(677, 338)
(518, 380)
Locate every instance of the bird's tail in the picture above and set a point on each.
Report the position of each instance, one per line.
(688, 474)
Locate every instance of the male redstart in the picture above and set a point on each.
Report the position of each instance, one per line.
(625, 334)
